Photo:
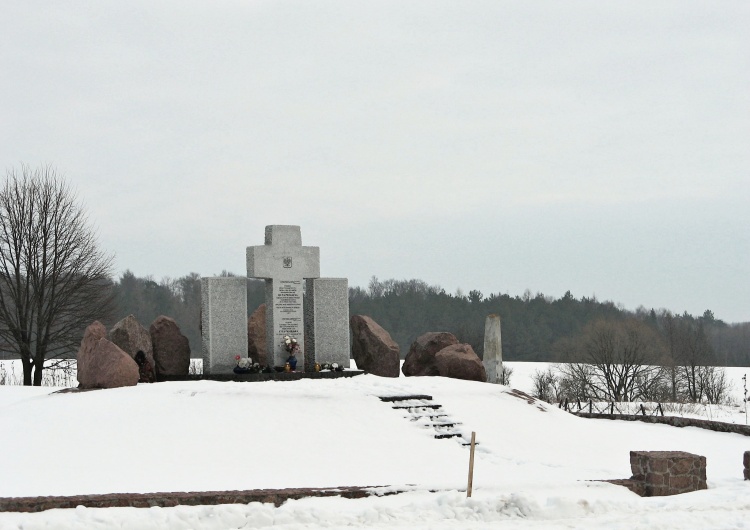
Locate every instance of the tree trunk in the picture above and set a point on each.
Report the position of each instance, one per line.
(38, 367)
(26, 363)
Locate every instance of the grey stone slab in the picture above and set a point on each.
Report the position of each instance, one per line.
(492, 359)
(327, 322)
(284, 316)
(284, 263)
(223, 323)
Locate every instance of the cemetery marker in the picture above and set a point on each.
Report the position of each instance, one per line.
(283, 262)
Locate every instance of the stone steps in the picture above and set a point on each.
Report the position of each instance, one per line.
(416, 407)
(442, 425)
(421, 410)
(403, 398)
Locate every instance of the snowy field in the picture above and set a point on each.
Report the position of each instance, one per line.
(522, 379)
(535, 466)
(523, 372)
(731, 412)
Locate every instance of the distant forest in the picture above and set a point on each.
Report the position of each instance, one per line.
(534, 327)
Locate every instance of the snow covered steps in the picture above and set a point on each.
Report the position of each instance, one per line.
(420, 409)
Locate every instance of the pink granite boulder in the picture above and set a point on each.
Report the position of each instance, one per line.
(101, 364)
(171, 348)
(373, 349)
(256, 336)
(460, 362)
(421, 357)
(130, 336)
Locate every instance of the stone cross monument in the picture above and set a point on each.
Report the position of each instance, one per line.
(493, 349)
(283, 262)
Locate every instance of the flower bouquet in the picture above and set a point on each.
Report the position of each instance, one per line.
(292, 347)
(245, 365)
(333, 367)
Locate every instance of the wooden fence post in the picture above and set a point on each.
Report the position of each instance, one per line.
(471, 465)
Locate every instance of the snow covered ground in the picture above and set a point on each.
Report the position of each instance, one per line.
(535, 466)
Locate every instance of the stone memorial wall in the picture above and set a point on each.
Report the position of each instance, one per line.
(327, 322)
(223, 321)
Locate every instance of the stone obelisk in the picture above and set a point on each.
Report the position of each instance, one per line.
(493, 349)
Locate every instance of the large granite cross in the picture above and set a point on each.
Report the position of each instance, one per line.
(284, 263)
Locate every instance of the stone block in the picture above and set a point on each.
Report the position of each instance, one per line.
(659, 465)
(680, 466)
(656, 491)
(655, 479)
(668, 472)
(224, 323)
(636, 465)
(683, 483)
(327, 322)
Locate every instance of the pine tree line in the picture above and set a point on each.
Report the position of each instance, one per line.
(534, 328)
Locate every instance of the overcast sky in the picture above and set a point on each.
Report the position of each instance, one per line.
(596, 147)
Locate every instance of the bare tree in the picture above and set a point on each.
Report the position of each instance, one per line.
(54, 280)
(690, 359)
(694, 355)
(655, 384)
(546, 385)
(576, 382)
(623, 356)
(672, 373)
(716, 386)
(505, 374)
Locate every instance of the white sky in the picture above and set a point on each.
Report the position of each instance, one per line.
(596, 147)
